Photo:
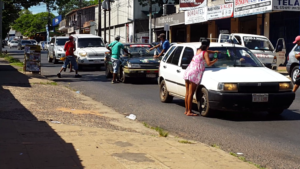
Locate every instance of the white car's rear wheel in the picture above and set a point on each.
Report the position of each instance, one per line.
(294, 73)
(164, 93)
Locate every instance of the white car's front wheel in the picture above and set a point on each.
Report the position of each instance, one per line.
(294, 73)
(203, 103)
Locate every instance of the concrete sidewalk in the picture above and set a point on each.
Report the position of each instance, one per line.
(90, 134)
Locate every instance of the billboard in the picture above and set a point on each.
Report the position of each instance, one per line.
(197, 15)
(251, 7)
(220, 11)
(56, 20)
(186, 5)
(290, 5)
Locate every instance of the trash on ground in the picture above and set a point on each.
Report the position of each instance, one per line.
(21, 154)
(239, 153)
(78, 92)
(131, 117)
(56, 122)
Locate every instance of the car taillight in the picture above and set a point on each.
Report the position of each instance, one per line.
(288, 58)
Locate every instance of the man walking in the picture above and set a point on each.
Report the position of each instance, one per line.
(297, 56)
(164, 45)
(115, 48)
(70, 48)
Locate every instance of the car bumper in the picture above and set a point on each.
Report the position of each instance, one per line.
(141, 73)
(90, 61)
(243, 101)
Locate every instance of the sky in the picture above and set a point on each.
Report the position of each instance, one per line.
(41, 8)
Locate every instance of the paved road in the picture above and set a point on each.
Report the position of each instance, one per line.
(269, 141)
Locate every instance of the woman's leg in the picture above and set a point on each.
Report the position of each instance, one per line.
(71, 67)
(192, 88)
(187, 84)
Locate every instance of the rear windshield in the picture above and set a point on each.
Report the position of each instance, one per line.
(234, 57)
(257, 43)
(26, 42)
(138, 50)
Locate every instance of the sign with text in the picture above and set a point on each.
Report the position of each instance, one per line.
(286, 5)
(186, 5)
(228, 1)
(197, 15)
(171, 20)
(220, 11)
(251, 7)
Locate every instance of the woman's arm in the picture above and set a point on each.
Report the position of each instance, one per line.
(210, 51)
(208, 62)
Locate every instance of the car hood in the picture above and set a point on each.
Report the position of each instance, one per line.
(143, 60)
(95, 50)
(238, 74)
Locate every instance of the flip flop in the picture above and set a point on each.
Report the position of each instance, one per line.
(192, 114)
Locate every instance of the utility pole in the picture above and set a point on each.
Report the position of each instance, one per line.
(109, 20)
(150, 21)
(1, 8)
(79, 12)
(104, 25)
(99, 18)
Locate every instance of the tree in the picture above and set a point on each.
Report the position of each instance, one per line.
(30, 24)
(10, 13)
(74, 4)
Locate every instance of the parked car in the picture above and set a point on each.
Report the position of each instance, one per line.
(231, 84)
(22, 43)
(13, 44)
(292, 65)
(45, 44)
(90, 50)
(139, 64)
(56, 48)
(34, 42)
(261, 46)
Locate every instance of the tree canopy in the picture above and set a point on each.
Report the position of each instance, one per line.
(29, 24)
(10, 13)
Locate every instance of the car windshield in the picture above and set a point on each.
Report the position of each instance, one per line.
(234, 57)
(13, 42)
(138, 50)
(257, 43)
(61, 42)
(90, 42)
(26, 42)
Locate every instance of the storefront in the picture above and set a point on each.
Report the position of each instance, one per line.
(177, 32)
(196, 23)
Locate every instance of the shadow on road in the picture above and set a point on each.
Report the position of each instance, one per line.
(287, 115)
(26, 142)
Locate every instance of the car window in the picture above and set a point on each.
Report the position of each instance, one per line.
(297, 49)
(187, 56)
(238, 40)
(52, 40)
(168, 53)
(174, 58)
(90, 42)
(61, 42)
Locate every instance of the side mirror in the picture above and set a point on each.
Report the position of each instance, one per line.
(51, 44)
(184, 66)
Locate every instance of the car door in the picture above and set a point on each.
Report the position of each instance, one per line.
(172, 70)
(185, 60)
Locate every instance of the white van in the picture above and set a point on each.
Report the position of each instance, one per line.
(260, 46)
(237, 81)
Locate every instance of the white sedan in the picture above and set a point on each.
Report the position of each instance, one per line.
(237, 81)
(13, 44)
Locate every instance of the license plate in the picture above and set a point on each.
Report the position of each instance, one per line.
(260, 97)
(151, 75)
(97, 61)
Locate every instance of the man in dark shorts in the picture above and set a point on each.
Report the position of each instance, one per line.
(297, 56)
(70, 48)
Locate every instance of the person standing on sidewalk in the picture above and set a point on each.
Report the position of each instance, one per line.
(115, 48)
(297, 56)
(163, 46)
(70, 48)
(194, 72)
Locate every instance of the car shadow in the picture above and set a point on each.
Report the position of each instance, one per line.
(287, 115)
(26, 142)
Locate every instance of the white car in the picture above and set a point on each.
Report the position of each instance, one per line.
(237, 81)
(13, 44)
(90, 50)
(56, 48)
(34, 42)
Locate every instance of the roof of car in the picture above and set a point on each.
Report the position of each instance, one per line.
(212, 44)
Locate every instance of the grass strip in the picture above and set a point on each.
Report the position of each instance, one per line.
(244, 159)
(160, 131)
(12, 61)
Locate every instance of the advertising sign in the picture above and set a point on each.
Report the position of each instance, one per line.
(171, 20)
(197, 15)
(228, 1)
(186, 5)
(286, 5)
(220, 11)
(56, 20)
(251, 7)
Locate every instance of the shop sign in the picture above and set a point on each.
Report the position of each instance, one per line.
(251, 7)
(228, 1)
(220, 11)
(286, 5)
(191, 4)
(197, 15)
(71, 29)
(171, 20)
